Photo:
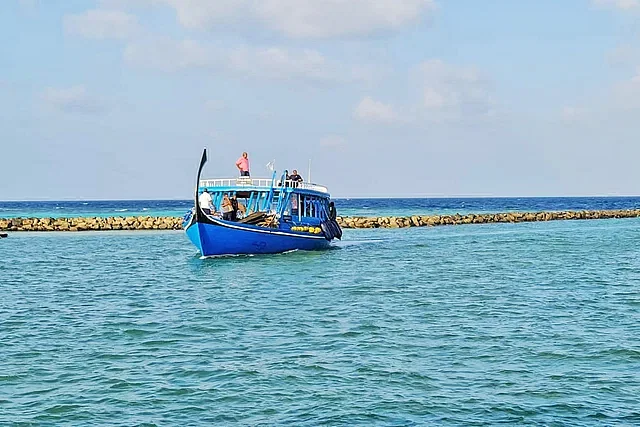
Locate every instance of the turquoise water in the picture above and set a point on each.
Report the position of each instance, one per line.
(346, 207)
(533, 323)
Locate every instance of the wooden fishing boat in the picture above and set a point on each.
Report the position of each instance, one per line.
(280, 215)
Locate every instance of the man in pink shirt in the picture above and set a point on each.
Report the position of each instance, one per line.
(243, 164)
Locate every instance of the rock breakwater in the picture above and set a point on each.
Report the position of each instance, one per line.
(175, 223)
(93, 223)
(485, 218)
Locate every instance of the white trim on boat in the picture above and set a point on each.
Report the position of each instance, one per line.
(260, 183)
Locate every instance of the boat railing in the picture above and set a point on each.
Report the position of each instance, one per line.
(260, 182)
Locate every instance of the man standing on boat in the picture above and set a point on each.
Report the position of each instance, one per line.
(205, 202)
(243, 164)
(295, 178)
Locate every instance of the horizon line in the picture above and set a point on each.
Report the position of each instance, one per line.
(341, 197)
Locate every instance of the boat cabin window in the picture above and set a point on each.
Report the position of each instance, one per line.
(291, 205)
(312, 207)
(243, 197)
(254, 201)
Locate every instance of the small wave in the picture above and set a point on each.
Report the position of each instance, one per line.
(59, 207)
(122, 210)
(85, 203)
(343, 244)
(145, 209)
(248, 255)
(226, 256)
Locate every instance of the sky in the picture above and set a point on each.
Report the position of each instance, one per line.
(115, 99)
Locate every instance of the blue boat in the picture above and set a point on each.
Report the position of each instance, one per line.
(277, 215)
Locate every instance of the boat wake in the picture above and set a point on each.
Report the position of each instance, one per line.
(334, 246)
(288, 252)
(246, 255)
(226, 256)
(343, 244)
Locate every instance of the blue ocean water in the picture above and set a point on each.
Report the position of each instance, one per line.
(362, 207)
(532, 323)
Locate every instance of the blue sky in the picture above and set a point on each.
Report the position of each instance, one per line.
(114, 99)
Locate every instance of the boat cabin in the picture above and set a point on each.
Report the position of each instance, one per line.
(296, 203)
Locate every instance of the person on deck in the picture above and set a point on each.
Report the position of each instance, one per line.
(243, 164)
(237, 207)
(294, 205)
(205, 202)
(295, 177)
(227, 209)
(332, 211)
(234, 207)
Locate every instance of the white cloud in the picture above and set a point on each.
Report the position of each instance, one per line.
(371, 110)
(303, 18)
(128, 4)
(202, 14)
(437, 92)
(620, 100)
(28, 4)
(451, 90)
(626, 95)
(282, 63)
(333, 142)
(275, 63)
(331, 18)
(617, 4)
(102, 24)
(170, 55)
(624, 55)
(214, 105)
(571, 113)
(73, 99)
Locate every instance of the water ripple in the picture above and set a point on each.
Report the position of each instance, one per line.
(501, 323)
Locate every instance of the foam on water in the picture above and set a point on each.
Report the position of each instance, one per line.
(203, 257)
(345, 243)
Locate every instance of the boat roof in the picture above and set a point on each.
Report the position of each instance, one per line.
(248, 184)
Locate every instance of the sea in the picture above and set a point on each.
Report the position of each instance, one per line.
(485, 324)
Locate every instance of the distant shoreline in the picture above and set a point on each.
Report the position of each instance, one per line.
(413, 197)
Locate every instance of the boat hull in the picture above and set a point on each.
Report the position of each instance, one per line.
(228, 238)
